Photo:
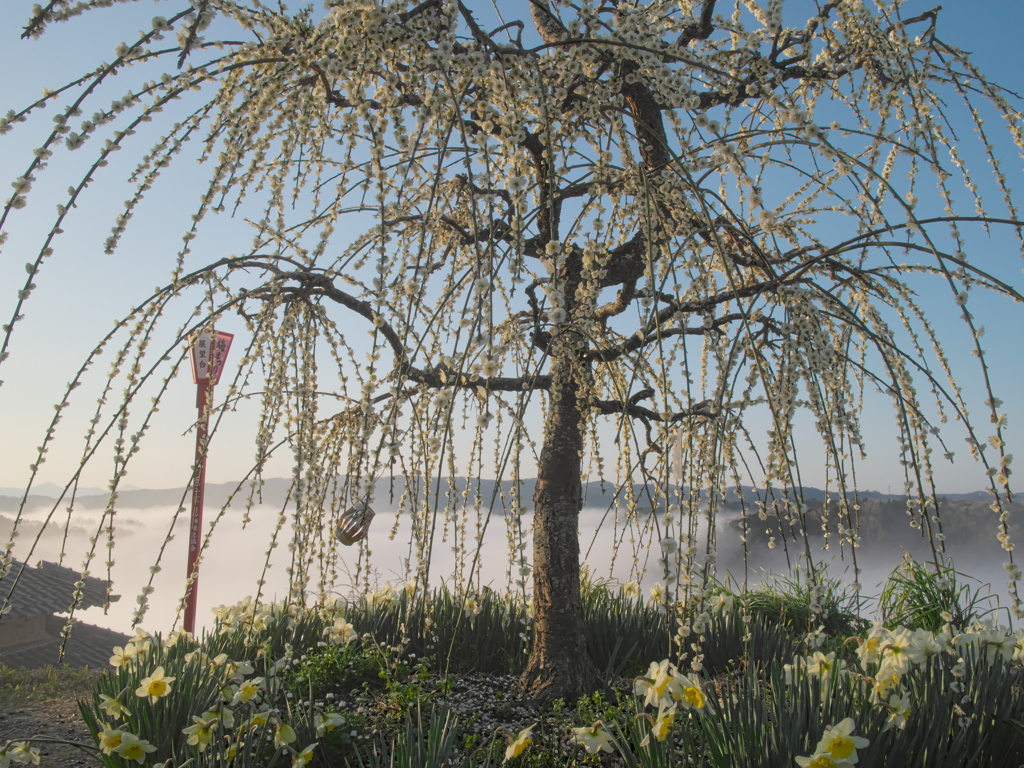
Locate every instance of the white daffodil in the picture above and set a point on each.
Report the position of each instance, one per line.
(899, 711)
(840, 744)
(594, 738)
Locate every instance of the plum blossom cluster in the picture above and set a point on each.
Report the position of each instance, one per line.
(607, 190)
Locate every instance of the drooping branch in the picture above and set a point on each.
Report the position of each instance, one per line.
(314, 283)
(440, 376)
(656, 329)
(631, 408)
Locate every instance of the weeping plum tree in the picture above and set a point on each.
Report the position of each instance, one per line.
(570, 231)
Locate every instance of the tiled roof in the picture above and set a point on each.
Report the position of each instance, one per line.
(48, 588)
(43, 591)
(87, 645)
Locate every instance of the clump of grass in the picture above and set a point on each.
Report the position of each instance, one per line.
(482, 632)
(916, 595)
(19, 686)
(424, 743)
(733, 640)
(492, 633)
(802, 605)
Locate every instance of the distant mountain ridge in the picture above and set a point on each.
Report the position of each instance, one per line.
(274, 492)
(53, 490)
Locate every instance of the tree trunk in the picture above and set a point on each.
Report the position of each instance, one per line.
(560, 665)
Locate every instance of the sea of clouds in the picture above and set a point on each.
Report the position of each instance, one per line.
(235, 560)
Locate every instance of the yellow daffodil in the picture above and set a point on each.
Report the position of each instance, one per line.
(302, 759)
(247, 690)
(109, 738)
(224, 715)
(122, 656)
(179, 636)
(721, 603)
(200, 733)
(823, 665)
(155, 686)
(928, 644)
(883, 685)
(239, 670)
(660, 684)
(134, 748)
(260, 718)
(691, 696)
(796, 670)
(341, 633)
(141, 636)
(519, 744)
(657, 594)
(142, 647)
(899, 652)
(662, 724)
(594, 738)
(870, 651)
(113, 707)
(25, 753)
(218, 660)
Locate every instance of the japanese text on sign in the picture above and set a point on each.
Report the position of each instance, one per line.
(209, 351)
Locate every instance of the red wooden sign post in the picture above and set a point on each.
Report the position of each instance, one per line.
(209, 351)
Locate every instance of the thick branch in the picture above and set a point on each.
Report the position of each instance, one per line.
(647, 119)
(626, 263)
(612, 407)
(642, 338)
(438, 377)
(701, 30)
(445, 377)
(655, 330)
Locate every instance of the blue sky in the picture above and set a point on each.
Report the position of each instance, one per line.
(81, 291)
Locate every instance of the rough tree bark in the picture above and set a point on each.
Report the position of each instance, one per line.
(560, 665)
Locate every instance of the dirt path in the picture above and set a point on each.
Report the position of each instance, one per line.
(55, 719)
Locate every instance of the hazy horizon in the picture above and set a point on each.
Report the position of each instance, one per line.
(234, 561)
